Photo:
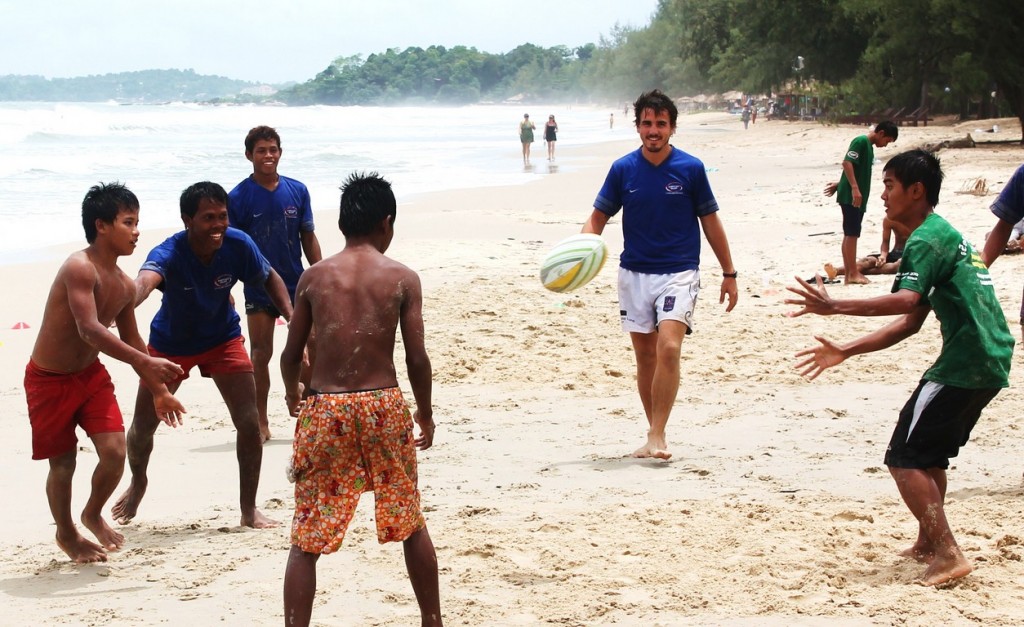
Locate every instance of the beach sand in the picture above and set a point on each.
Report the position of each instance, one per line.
(776, 508)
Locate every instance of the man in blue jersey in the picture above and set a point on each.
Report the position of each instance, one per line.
(666, 201)
(275, 212)
(1009, 209)
(197, 326)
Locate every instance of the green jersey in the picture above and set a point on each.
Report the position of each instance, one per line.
(861, 154)
(944, 268)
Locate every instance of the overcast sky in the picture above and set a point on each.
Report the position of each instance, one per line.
(284, 40)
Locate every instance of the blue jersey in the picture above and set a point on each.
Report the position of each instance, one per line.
(660, 210)
(196, 313)
(1009, 207)
(275, 220)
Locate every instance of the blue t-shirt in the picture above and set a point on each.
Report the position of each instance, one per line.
(1009, 207)
(196, 313)
(275, 220)
(660, 210)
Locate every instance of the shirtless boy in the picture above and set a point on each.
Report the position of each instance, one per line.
(67, 386)
(940, 270)
(197, 325)
(354, 431)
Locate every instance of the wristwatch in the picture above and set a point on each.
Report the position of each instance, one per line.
(730, 275)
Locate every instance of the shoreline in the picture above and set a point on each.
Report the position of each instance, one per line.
(776, 508)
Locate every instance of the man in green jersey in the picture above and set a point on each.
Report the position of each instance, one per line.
(854, 187)
(939, 271)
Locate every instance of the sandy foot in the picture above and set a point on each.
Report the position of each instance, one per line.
(127, 505)
(259, 521)
(110, 539)
(82, 551)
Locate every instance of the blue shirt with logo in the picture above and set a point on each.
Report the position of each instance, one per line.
(275, 220)
(196, 313)
(660, 210)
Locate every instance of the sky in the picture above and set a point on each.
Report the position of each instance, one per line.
(283, 40)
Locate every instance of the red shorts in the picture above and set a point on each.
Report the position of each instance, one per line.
(228, 358)
(60, 401)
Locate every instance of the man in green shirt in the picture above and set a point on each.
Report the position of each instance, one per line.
(940, 271)
(854, 187)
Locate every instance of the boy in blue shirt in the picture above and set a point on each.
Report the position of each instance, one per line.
(197, 326)
(275, 211)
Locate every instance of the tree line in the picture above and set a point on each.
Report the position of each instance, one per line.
(942, 56)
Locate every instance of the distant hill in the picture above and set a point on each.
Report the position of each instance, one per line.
(147, 86)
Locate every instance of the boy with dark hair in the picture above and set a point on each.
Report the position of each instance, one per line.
(354, 431)
(67, 386)
(939, 270)
(275, 211)
(854, 187)
(197, 326)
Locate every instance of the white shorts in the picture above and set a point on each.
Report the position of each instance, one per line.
(647, 299)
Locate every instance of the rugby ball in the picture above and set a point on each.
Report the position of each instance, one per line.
(573, 262)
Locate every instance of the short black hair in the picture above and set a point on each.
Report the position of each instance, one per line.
(103, 202)
(258, 133)
(889, 128)
(656, 101)
(917, 166)
(196, 192)
(366, 199)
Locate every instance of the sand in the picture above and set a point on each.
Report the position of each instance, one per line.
(776, 508)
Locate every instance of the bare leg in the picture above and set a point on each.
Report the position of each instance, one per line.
(111, 450)
(140, 447)
(58, 495)
(660, 377)
(239, 392)
(261, 337)
(299, 587)
(923, 492)
(850, 261)
(922, 550)
(421, 562)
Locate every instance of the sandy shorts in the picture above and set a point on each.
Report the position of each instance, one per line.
(934, 424)
(647, 299)
(60, 401)
(346, 444)
(228, 358)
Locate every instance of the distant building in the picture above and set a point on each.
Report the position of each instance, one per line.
(261, 90)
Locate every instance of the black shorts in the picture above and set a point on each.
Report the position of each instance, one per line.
(934, 424)
(852, 218)
(255, 308)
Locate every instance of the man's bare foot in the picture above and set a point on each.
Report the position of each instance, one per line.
(945, 568)
(858, 279)
(657, 449)
(110, 539)
(831, 271)
(258, 521)
(920, 553)
(82, 551)
(127, 505)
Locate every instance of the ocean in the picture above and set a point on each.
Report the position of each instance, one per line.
(53, 152)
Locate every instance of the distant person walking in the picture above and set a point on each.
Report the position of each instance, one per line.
(526, 128)
(551, 136)
(854, 187)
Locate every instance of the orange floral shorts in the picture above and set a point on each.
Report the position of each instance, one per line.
(346, 444)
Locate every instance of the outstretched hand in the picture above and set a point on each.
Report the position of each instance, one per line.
(831, 188)
(169, 410)
(819, 358)
(813, 298)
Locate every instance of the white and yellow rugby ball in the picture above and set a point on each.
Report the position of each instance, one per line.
(573, 262)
